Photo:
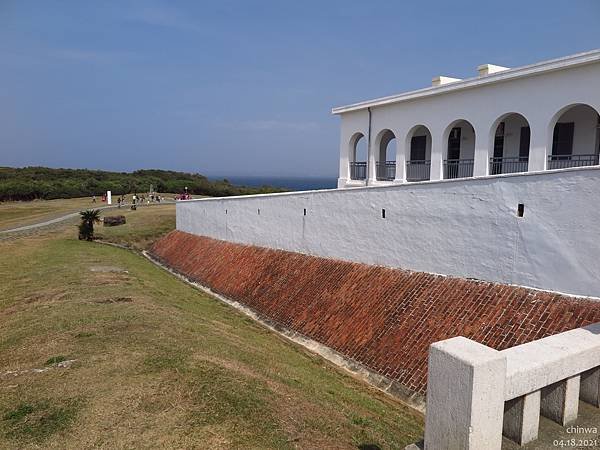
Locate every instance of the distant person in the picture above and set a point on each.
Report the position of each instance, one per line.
(119, 202)
(93, 199)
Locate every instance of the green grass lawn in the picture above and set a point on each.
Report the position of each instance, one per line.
(17, 214)
(159, 364)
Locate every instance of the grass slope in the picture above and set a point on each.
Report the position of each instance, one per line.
(158, 363)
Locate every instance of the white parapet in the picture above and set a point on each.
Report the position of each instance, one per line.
(475, 393)
(541, 363)
(465, 398)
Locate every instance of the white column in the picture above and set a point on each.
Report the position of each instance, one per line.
(400, 160)
(481, 155)
(465, 396)
(560, 401)
(437, 149)
(589, 390)
(522, 418)
(371, 158)
(344, 168)
(539, 147)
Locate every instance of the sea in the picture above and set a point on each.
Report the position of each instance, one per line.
(291, 183)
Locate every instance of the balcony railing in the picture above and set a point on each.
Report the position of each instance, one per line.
(358, 170)
(458, 168)
(509, 165)
(564, 161)
(418, 170)
(386, 171)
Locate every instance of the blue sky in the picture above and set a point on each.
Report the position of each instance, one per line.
(241, 87)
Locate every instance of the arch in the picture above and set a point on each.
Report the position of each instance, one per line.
(459, 149)
(418, 153)
(573, 137)
(509, 143)
(357, 156)
(385, 143)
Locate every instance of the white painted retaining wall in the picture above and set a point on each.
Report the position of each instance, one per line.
(466, 228)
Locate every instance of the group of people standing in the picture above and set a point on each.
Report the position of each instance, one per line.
(135, 199)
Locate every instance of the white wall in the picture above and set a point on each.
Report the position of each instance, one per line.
(538, 98)
(467, 228)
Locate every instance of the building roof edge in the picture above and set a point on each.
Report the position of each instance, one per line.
(506, 75)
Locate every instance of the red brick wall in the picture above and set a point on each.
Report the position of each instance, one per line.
(382, 318)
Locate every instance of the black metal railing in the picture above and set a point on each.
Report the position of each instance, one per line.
(458, 168)
(358, 170)
(418, 170)
(564, 161)
(386, 170)
(509, 165)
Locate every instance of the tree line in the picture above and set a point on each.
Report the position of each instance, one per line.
(30, 183)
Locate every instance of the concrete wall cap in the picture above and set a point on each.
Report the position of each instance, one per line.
(467, 350)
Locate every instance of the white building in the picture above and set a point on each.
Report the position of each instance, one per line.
(538, 117)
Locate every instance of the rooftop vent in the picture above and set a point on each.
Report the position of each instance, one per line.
(488, 69)
(438, 81)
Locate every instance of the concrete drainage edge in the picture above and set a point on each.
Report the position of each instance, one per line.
(390, 387)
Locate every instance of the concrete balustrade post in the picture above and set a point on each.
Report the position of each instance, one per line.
(589, 390)
(560, 401)
(465, 396)
(522, 418)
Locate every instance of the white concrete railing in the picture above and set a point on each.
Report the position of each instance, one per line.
(476, 394)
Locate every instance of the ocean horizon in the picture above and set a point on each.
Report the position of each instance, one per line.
(292, 183)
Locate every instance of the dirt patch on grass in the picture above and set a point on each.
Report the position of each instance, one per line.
(107, 269)
(108, 278)
(106, 301)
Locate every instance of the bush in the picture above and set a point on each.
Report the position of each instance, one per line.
(29, 183)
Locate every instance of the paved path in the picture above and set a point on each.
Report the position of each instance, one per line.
(69, 216)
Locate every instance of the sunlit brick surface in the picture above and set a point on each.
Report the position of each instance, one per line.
(382, 318)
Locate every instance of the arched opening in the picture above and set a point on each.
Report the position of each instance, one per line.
(460, 150)
(575, 137)
(511, 138)
(386, 161)
(418, 159)
(358, 157)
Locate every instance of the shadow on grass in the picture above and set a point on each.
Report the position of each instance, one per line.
(36, 421)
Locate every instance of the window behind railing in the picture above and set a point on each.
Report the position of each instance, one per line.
(386, 170)
(565, 161)
(418, 170)
(509, 165)
(458, 168)
(358, 170)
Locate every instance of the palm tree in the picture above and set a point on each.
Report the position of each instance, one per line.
(86, 227)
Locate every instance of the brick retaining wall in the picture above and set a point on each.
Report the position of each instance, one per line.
(383, 318)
